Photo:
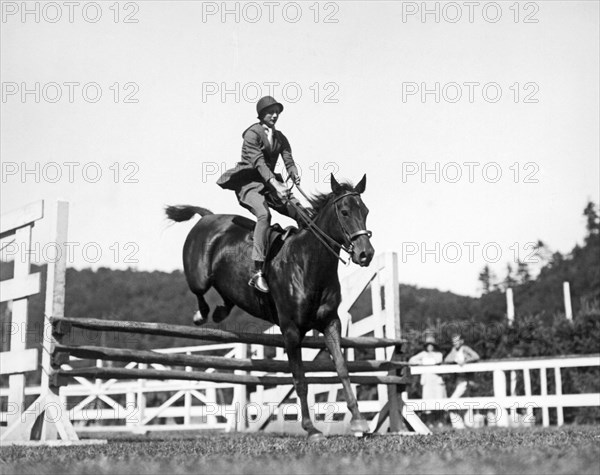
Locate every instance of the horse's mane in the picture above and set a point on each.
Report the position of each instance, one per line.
(320, 200)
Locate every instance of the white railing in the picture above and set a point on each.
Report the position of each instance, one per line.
(137, 413)
(16, 229)
(505, 405)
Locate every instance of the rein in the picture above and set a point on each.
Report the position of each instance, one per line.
(323, 236)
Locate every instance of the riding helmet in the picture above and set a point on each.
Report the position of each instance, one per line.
(265, 102)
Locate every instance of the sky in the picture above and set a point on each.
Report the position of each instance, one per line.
(477, 127)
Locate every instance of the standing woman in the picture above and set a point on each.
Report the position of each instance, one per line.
(257, 187)
(433, 384)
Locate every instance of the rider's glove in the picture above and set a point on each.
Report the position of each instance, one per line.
(280, 188)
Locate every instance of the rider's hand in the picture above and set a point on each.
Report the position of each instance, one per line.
(280, 189)
(295, 178)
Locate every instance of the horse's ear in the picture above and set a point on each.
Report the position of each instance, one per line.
(335, 186)
(362, 184)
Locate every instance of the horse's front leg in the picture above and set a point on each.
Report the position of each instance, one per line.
(332, 334)
(291, 338)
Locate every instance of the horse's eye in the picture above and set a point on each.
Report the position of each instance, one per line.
(344, 212)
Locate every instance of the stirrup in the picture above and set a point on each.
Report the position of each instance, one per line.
(259, 282)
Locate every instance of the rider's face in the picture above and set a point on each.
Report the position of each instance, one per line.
(270, 115)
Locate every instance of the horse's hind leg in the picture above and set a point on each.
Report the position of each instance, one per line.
(201, 316)
(199, 281)
(222, 311)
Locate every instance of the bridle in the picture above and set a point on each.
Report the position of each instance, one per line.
(322, 236)
(349, 236)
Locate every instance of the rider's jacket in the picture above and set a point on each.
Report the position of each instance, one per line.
(259, 158)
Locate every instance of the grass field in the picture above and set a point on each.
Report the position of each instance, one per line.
(533, 451)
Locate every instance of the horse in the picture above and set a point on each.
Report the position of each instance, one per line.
(304, 285)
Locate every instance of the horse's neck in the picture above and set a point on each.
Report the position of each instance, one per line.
(318, 258)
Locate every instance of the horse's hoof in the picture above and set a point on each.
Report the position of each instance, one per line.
(199, 319)
(316, 436)
(359, 426)
(220, 314)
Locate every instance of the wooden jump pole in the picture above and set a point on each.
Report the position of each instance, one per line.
(206, 361)
(132, 373)
(62, 326)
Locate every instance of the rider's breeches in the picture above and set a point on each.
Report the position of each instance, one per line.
(256, 198)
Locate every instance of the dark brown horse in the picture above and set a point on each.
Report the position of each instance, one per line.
(305, 289)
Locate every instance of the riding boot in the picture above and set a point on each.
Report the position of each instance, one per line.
(258, 280)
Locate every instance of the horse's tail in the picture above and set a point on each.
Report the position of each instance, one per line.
(181, 213)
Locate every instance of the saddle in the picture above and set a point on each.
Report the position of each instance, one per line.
(277, 233)
(276, 237)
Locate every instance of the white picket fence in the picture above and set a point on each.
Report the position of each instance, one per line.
(505, 402)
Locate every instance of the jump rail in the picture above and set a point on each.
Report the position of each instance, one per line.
(126, 373)
(217, 362)
(62, 325)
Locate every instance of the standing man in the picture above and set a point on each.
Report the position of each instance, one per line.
(257, 187)
(460, 354)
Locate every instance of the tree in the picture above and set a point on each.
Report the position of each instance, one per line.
(486, 277)
(592, 220)
(543, 253)
(523, 274)
(509, 280)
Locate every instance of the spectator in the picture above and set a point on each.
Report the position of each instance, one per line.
(460, 354)
(433, 385)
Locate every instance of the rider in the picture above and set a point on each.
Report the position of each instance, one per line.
(257, 187)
